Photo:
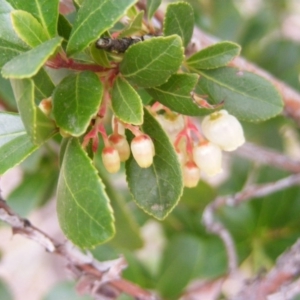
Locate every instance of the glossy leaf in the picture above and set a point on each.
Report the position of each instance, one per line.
(7, 95)
(44, 10)
(43, 85)
(152, 62)
(37, 125)
(152, 6)
(126, 102)
(10, 44)
(246, 95)
(64, 27)
(15, 144)
(215, 56)
(134, 27)
(28, 28)
(76, 101)
(83, 208)
(93, 19)
(28, 64)
(180, 258)
(158, 188)
(179, 19)
(176, 94)
(100, 56)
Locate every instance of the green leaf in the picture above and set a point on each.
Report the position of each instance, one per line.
(10, 44)
(28, 28)
(4, 291)
(35, 189)
(37, 125)
(156, 189)
(7, 95)
(152, 62)
(215, 56)
(44, 10)
(100, 56)
(64, 27)
(180, 258)
(93, 19)
(83, 208)
(246, 95)
(152, 6)
(76, 101)
(179, 19)
(134, 27)
(15, 144)
(176, 94)
(43, 85)
(28, 64)
(126, 102)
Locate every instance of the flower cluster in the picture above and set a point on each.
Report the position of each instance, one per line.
(117, 149)
(203, 152)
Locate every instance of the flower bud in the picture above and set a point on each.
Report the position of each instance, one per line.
(142, 149)
(171, 123)
(191, 174)
(46, 106)
(120, 143)
(111, 159)
(208, 158)
(223, 130)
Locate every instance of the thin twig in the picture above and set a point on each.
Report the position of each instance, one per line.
(277, 283)
(267, 156)
(249, 193)
(100, 278)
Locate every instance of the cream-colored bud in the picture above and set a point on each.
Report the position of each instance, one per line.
(111, 159)
(223, 130)
(120, 143)
(208, 158)
(142, 149)
(46, 106)
(191, 174)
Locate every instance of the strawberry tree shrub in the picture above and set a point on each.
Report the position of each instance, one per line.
(102, 91)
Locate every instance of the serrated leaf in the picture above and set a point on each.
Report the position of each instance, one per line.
(83, 208)
(28, 64)
(44, 10)
(93, 19)
(10, 44)
(134, 27)
(156, 189)
(215, 56)
(76, 101)
(28, 28)
(152, 6)
(15, 144)
(246, 95)
(37, 125)
(152, 62)
(179, 19)
(126, 102)
(176, 94)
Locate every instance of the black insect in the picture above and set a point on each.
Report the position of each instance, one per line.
(119, 45)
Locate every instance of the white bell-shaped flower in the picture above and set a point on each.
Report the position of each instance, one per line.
(191, 174)
(120, 143)
(142, 149)
(111, 159)
(208, 158)
(223, 130)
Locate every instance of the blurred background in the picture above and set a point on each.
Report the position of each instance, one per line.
(169, 255)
